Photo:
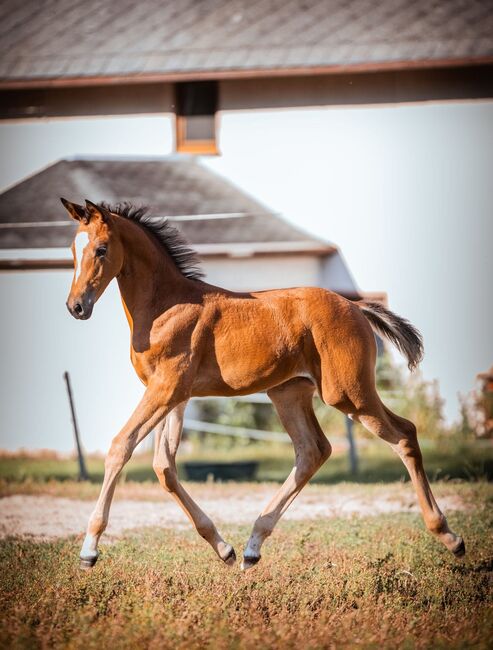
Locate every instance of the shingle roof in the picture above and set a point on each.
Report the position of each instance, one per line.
(175, 186)
(62, 39)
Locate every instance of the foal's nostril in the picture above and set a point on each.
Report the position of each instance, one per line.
(78, 308)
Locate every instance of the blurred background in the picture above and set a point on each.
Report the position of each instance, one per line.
(347, 145)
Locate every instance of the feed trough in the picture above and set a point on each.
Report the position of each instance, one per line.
(204, 470)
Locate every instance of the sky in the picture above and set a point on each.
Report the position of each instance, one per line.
(404, 191)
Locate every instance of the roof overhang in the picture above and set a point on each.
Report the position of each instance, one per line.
(233, 74)
(254, 249)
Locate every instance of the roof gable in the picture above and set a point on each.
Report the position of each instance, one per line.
(208, 209)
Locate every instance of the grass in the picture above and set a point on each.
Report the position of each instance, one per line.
(443, 459)
(359, 582)
(345, 583)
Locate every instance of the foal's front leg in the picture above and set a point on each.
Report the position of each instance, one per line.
(167, 440)
(151, 409)
(293, 402)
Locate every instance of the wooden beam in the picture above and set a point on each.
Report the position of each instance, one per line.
(36, 265)
(64, 264)
(205, 75)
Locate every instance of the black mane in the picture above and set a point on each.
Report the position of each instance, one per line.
(185, 258)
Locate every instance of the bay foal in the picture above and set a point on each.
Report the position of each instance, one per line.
(189, 339)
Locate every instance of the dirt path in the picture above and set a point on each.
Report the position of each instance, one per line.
(48, 517)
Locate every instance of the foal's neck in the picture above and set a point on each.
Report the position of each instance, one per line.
(149, 281)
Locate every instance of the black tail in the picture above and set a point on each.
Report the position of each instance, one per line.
(399, 331)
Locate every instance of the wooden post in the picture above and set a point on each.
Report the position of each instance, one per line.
(353, 456)
(83, 475)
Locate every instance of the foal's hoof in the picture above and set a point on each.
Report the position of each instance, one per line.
(249, 562)
(230, 558)
(460, 548)
(88, 562)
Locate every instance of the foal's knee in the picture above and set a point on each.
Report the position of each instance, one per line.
(167, 476)
(313, 458)
(117, 456)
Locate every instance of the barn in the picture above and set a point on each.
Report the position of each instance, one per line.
(369, 126)
(243, 246)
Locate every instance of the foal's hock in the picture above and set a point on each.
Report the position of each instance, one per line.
(190, 339)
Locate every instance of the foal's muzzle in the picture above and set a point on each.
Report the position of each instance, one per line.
(80, 308)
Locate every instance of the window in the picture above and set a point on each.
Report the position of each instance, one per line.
(196, 106)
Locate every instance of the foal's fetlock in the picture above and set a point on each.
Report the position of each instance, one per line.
(437, 525)
(454, 543)
(228, 556)
(225, 551)
(459, 550)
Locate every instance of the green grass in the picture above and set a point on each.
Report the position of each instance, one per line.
(443, 459)
(348, 583)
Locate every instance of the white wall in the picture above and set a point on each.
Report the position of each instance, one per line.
(27, 146)
(405, 191)
(259, 273)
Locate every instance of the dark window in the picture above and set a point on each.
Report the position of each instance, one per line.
(196, 106)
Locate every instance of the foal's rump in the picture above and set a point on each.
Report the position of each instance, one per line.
(337, 343)
(348, 350)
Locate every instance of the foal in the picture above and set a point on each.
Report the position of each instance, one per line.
(190, 339)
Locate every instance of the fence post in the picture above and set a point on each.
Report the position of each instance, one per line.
(83, 475)
(353, 456)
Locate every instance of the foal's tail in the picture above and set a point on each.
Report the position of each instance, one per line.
(396, 329)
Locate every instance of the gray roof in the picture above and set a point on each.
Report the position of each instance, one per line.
(207, 208)
(63, 39)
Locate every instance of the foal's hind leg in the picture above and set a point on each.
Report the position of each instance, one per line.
(293, 402)
(401, 435)
(167, 440)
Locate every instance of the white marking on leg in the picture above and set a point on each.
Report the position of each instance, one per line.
(89, 548)
(253, 547)
(80, 243)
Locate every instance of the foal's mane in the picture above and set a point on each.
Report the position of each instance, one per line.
(185, 258)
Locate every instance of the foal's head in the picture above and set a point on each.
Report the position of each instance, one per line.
(98, 256)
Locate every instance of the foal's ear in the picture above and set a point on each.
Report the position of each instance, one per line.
(94, 211)
(77, 212)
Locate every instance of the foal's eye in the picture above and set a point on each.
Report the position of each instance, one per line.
(101, 251)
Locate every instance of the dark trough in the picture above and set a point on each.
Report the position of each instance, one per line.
(239, 471)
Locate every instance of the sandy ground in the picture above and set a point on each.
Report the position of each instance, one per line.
(49, 517)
